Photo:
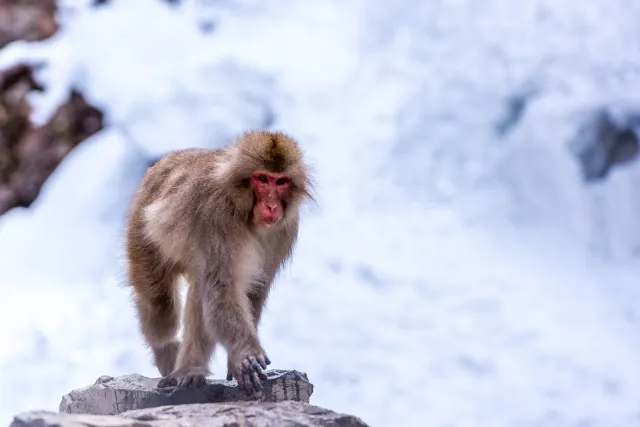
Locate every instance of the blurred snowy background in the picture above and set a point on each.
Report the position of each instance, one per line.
(466, 264)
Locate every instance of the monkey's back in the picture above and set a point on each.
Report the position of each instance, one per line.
(163, 212)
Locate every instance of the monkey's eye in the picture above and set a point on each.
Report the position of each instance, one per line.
(282, 181)
(263, 178)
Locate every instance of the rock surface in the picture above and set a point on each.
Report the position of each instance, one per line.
(237, 414)
(606, 140)
(29, 20)
(110, 396)
(29, 154)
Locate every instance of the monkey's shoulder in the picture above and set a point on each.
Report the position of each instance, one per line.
(189, 160)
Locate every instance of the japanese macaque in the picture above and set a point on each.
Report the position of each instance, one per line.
(226, 220)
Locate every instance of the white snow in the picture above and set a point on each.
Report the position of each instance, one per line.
(446, 276)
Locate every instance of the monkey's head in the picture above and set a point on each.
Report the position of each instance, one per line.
(270, 168)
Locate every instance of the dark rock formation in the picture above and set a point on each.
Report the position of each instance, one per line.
(237, 414)
(603, 141)
(29, 154)
(110, 396)
(29, 20)
(515, 109)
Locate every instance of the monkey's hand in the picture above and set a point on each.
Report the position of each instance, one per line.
(247, 368)
(184, 378)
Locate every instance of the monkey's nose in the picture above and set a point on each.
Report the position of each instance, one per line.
(272, 208)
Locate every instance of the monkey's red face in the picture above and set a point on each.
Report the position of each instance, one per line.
(270, 189)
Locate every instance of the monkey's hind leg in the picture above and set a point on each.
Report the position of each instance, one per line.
(196, 350)
(157, 301)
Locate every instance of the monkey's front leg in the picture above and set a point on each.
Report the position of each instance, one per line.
(230, 315)
(257, 300)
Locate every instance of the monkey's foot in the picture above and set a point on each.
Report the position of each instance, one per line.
(229, 374)
(248, 372)
(165, 357)
(185, 378)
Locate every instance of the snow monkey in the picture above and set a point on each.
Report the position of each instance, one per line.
(226, 220)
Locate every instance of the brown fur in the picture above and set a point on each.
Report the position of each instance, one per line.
(193, 217)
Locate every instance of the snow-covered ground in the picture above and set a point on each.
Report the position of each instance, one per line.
(448, 276)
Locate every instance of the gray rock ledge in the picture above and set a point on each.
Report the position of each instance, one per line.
(237, 414)
(111, 396)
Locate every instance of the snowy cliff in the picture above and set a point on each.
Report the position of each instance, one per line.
(458, 269)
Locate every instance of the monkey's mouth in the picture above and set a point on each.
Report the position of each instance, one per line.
(270, 222)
